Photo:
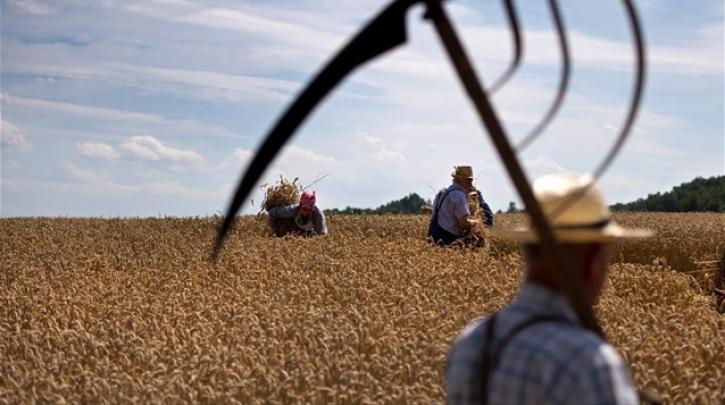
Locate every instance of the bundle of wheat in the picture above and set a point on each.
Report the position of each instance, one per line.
(475, 236)
(473, 205)
(284, 192)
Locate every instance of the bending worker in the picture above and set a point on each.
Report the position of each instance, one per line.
(451, 214)
(302, 219)
(535, 350)
(485, 209)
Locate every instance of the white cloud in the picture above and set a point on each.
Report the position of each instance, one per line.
(238, 158)
(292, 38)
(422, 60)
(114, 115)
(188, 83)
(10, 164)
(168, 188)
(211, 84)
(371, 140)
(99, 186)
(648, 143)
(147, 147)
(34, 7)
(541, 166)
(82, 174)
(599, 53)
(82, 110)
(241, 155)
(302, 155)
(296, 162)
(382, 152)
(98, 150)
(626, 188)
(247, 21)
(703, 56)
(12, 137)
(388, 156)
(292, 162)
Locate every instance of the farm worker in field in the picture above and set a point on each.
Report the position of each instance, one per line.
(451, 215)
(543, 353)
(485, 209)
(301, 219)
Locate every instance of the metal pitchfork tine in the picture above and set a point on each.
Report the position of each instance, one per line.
(513, 22)
(563, 79)
(386, 32)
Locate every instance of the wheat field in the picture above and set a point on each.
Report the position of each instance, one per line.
(131, 310)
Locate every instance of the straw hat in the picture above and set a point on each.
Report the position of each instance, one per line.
(463, 172)
(584, 216)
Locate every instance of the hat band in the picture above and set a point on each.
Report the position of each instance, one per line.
(596, 225)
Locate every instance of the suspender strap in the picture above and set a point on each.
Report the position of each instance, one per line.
(437, 233)
(437, 208)
(435, 213)
(492, 350)
(488, 355)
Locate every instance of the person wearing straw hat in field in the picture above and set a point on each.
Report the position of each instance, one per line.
(535, 350)
(299, 219)
(451, 215)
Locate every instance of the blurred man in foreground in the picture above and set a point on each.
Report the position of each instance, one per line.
(535, 350)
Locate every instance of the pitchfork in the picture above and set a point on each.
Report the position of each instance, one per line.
(387, 31)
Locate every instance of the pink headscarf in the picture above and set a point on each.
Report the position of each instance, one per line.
(307, 201)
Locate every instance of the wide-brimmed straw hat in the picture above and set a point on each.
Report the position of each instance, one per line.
(465, 172)
(577, 212)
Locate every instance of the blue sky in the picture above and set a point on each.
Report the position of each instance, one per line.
(153, 107)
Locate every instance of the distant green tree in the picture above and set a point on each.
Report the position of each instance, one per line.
(698, 195)
(409, 204)
(512, 209)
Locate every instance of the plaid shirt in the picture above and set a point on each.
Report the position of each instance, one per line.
(547, 362)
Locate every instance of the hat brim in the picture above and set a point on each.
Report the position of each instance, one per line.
(609, 233)
(461, 176)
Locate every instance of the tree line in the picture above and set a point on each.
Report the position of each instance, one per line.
(698, 195)
(410, 204)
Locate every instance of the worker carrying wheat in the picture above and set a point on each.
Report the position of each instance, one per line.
(452, 216)
(298, 219)
(536, 351)
(482, 207)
